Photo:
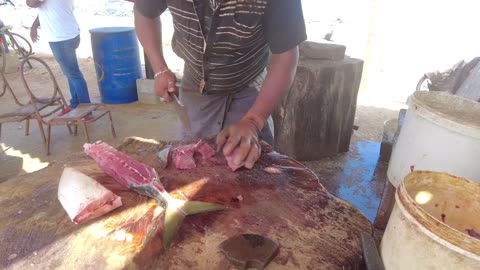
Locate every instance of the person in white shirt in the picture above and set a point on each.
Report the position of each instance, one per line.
(63, 34)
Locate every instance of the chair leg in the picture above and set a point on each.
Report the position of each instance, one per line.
(0, 130)
(69, 129)
(27, 127)
(75, 132)
(111, 124)
(86, 131)
(48, 138)
(42, 132)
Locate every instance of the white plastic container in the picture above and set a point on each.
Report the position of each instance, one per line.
(441, 133)
(429, 223)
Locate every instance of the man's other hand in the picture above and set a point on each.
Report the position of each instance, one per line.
(241, 140)
(165, 86)
(34, 34)
(34, 3)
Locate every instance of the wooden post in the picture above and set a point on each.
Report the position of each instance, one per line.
(315, 118)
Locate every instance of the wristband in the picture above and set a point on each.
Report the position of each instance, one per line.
(160, 73)
(256, 120)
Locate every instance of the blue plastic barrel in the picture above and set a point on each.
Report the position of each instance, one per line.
(117, 63)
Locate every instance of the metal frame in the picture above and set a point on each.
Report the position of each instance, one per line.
(78, 116)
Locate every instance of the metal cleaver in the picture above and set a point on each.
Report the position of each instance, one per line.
(247, 251)
(182, 113)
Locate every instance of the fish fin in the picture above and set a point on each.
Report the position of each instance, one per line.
(195, 207)
(172, 220)
(177, 210)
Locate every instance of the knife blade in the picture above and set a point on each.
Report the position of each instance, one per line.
(372, 258)
(182, 113)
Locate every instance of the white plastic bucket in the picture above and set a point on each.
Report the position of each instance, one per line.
(441, 133)
(429, 223)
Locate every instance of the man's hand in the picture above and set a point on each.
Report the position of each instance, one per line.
(165, 85)
(34, 34)
(34, 3)
(33, 30)
(243, 137)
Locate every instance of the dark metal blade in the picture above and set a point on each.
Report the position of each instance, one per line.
(247, 251)
(373, 261)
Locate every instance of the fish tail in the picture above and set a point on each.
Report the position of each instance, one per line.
(176, 212)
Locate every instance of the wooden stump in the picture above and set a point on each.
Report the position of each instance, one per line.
(315, 118)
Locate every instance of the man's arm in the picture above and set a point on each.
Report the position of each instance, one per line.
(35, 3)
(279, 78)
(284, 29)
(244, 135)
(34, 30)
(149, 32)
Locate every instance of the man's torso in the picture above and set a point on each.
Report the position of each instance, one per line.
(57, 20)
(227, 48)
(221, 42)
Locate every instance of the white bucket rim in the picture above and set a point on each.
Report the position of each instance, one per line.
(425, 230)
(451, 121)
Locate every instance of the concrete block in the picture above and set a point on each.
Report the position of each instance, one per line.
(146, 93)
(325, 51)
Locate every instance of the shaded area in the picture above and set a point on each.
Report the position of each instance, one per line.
(357, 176)
(10, 166)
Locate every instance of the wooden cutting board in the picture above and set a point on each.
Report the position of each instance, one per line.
(279, 198)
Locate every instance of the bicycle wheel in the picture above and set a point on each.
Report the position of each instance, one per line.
(3, 62)
(20, 45)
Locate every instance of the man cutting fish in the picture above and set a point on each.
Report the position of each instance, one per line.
(226, 45)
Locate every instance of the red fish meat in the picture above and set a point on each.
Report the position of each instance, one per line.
(183, 157)
(143, 179)
(205, 149)
(230, 161)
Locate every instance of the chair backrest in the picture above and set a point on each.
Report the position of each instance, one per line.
(4, 82)
(55, 98)
(3, 55)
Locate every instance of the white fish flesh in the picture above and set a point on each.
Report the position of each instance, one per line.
(83, 198)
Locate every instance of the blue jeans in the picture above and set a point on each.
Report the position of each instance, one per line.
(65, 54)
(4, 40)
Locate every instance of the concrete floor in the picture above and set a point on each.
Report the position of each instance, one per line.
(355, 176)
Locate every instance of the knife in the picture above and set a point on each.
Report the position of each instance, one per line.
(247, 251)
(182, 113)
(372, 258)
